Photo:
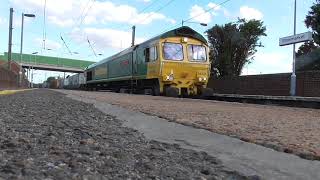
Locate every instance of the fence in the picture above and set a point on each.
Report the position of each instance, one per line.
(308, 84)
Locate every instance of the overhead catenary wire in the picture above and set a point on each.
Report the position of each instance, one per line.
(147, 7)
(94, 52)
(213, 7)
(85, 15)
(79, 21)
(65, 44)
(220, 4)
(159, 9)
(82, 12)
(139, 12)
(86, 11)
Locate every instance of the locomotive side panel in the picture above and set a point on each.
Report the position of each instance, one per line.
(120, 67)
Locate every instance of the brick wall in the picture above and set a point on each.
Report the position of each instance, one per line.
(9, 79)
(308, 84)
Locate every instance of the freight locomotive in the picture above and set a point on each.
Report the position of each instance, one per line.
(173, 63)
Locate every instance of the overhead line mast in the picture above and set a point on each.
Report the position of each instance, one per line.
(44, 35)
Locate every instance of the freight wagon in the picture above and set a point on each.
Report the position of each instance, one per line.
(76, 81)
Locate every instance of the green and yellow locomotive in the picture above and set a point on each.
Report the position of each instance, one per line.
(173, 63)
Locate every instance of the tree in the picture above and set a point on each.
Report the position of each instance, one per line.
(306, 48)
(312, 21)
(50, 79)
(233, 45)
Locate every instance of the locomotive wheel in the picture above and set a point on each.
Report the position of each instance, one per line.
(156, 90)
(172, 92)
(123, 90)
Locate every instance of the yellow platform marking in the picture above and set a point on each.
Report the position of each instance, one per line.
(8, 92)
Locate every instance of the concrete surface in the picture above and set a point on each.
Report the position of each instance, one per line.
(263, 97)
(247, 158)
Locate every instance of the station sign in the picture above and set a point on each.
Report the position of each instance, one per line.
(303, 37)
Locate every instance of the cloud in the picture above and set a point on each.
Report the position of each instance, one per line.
(214, 6)
(66, 13)
(248, 71)
(250, 13)
(50, 44)
(3, 21)
(104, 38)
(61, 21)
(272, 62)
(200, 15)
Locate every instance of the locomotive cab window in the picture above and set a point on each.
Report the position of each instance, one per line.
(151, 54)
(89, 75)
(197, 53)
(173, 51)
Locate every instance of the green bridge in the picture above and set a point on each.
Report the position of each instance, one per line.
(48, 63)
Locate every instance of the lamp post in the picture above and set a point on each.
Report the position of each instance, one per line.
(293, 75)
(21, 42)
(202, 24)
(32, 79)
(32, 68)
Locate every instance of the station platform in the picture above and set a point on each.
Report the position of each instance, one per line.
(291, 101)
(7, 91)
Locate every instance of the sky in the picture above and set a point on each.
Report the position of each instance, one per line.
(107, 24)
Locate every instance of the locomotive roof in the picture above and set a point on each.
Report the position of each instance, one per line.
(183, 31)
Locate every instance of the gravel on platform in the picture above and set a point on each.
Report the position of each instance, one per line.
(44, 135)
(285, 129)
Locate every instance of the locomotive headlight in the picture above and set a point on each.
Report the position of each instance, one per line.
(170, 77)
(184, 39)
(202, 79)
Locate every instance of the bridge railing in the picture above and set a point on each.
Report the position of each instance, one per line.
(49, 61)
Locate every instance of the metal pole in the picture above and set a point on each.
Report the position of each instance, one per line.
(182, 23)
(32, 77)
(293, 75)
(10, 39)
(21, 44)
(133, 35)
(29, 77)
